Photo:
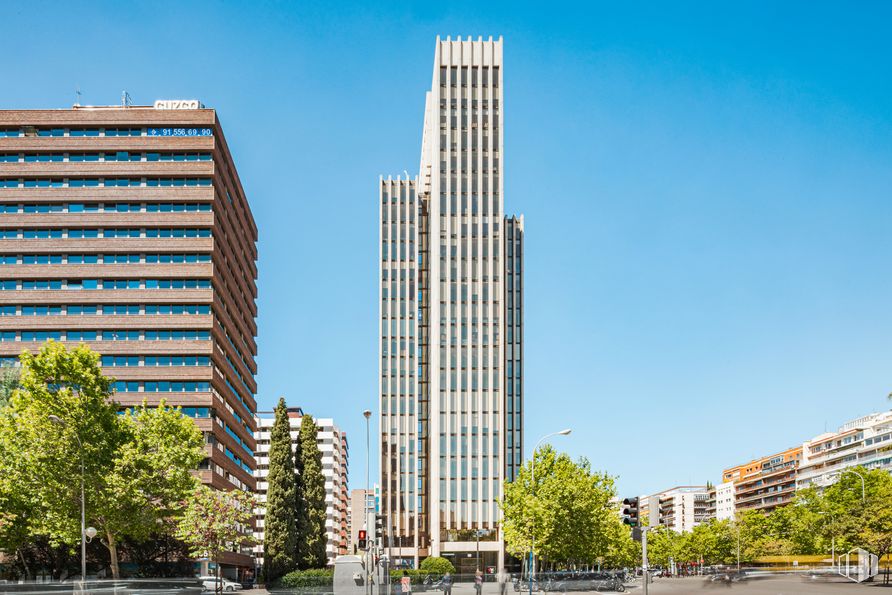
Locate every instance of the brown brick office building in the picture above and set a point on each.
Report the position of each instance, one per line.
(127, 228)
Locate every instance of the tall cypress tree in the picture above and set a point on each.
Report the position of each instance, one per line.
(300, 506)
(280, 525)
(313, 488)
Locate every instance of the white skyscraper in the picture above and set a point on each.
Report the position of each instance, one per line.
(451, 390)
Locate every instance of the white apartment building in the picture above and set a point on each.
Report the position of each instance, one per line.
(333, 445)
(451, 297)
(866, 441)
(724, 501)
(680, 508)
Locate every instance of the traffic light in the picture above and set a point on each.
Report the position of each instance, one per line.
(362, 539)
(379, 526)
(630, 512)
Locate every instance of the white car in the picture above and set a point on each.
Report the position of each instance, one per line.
(210, 584)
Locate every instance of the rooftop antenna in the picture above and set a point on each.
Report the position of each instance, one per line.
(125, 99)
(77, 96)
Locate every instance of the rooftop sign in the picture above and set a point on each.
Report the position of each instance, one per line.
(177, 104)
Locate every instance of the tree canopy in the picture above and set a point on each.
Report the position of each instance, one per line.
(136, 465)
(566, 512)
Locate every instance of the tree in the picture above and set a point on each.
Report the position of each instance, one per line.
(151, 475)
(136, 466)
(568, 511)
(215, 522)
(663, 544)
(313, 491)
(300, 507)
(42, 465)
(280, 524)
(9, 381)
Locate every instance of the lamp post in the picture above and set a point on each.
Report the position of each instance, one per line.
(737, 525)
(861, 477)
(367, 414)
(533, 477)
(832, 537)
(84, 530)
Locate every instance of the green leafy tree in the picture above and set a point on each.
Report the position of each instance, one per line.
(215, 522)
(9, 381)
(151, 476)
(280, 524)
(43, 458)
(663, 545)
(136, 467)
(436, 565)
(568, 510)
(313, 492)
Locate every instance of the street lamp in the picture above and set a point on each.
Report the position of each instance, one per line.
(367, 414)
(861, 477)
(737, 525)
(564, 432)
(84, 530)
(832, 537)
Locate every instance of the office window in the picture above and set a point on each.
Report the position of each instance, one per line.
(81, 335)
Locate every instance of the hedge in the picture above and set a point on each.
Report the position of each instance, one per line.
(303, 579)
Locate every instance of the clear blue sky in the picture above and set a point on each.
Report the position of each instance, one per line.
(707, 192)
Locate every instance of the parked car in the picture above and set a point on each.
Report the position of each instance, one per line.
(210, 583)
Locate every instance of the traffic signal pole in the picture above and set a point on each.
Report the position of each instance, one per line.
(644, 557)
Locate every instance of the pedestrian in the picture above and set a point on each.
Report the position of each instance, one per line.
(478, 581)
(446, 583)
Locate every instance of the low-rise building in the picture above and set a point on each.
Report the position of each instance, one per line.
(765, 483)
(866, 441)
(333, 445)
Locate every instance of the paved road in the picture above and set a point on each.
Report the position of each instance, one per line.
(783, 585)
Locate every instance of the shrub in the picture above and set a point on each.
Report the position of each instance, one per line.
(437, 565)
(308, 579)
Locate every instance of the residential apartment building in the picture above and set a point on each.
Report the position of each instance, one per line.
(866, 441)
(451, 325)
(766, 483)
(333, 445)
(720, 501)
(127, 229)
(680, 508)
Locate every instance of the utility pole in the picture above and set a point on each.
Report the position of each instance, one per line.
(368, 558)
